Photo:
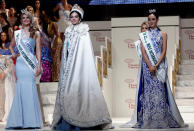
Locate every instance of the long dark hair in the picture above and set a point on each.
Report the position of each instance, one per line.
(77, 13)
(4, 16)
(155, 13)
(6, 41)
(40, 9)
(44, 23)
(15, 11)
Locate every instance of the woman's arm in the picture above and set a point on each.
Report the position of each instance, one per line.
(11, 46)
(9, 33)
(151, 68)
(164, 48)
(57, 33)
(70, 6)
(55, 28)
(2, 75)
(57, 8)
(38, 52)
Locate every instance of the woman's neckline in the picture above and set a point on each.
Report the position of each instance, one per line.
(26, 36)
(64, 7)
(156, 28)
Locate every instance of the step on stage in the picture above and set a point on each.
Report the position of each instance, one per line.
(116, 123)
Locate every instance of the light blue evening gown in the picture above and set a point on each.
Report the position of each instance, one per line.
(25, 111)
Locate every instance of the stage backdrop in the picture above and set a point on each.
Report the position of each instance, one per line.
(187, 38)
(126, 62)
(98, 31)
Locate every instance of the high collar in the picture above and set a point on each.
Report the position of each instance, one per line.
(79, 28)
(154, 29)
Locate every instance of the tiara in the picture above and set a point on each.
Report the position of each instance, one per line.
(77, 8)
(152, 11)
(24, 11)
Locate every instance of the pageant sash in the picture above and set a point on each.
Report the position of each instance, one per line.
(2, 66)
(148, 45)
(26, 56)
(63, 10)
(138, 48)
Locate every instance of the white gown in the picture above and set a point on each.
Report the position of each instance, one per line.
(63, 21)
(80, 101)
(10, 84)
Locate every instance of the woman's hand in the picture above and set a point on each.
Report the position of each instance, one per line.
(2, 75)
(152, 69)
(14, 56)
(38, 71)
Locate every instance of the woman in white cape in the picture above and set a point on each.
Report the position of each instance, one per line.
(80, 103)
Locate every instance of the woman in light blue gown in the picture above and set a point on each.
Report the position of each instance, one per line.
(25, 111)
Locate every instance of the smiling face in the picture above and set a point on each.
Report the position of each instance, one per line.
(25, 20)
(74, 18)
(152, 21)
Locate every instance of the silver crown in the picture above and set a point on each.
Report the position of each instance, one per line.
(152, 11)
(77, 8)
(24, 11)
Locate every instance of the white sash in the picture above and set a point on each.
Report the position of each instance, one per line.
(27, 57)
(2, 66)
(148, 45)
(65, 14)
(138, 48)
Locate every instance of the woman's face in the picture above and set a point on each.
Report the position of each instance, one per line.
(74, 18)
(12, 11)
(25, 20)
(144, 28)
(1, 19)
(31, 10)
(3, 5)
(152, 21)
(3, 36)
(37, 4)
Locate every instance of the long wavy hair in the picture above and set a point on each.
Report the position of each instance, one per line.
(32, 29)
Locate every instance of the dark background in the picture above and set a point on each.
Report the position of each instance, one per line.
(105, 12)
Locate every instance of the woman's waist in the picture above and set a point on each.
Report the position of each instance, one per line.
(21, 58)
(63, 20)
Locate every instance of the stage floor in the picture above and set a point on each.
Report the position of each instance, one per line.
(116, 123)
